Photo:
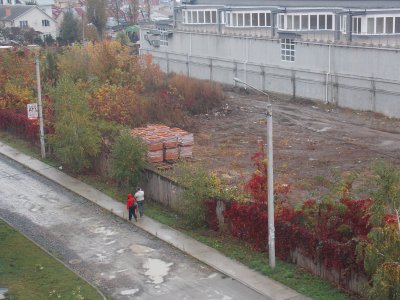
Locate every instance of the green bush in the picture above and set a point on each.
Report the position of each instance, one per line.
(199, 186)
(382, 253)
(127, 159)
(76, 140)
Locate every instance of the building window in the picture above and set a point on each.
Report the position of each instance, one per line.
(397, 25)
(254, 20)
(313, 22)
(282, 22)
(356, 24)
(199, 17)
(296, 22)
(389, 25)
(383, 25)
(287, 49)
(370, 25)
(23, 24)
(322, 21)
(45, 23)
(379, 25)
(289, 22)
(163, 36)
(47, 36)
(343, 24)
(304, 22)
(321, 24)
(248, 19)
(329, 22)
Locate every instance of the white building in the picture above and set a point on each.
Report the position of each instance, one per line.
(341, 52)
(25, 16)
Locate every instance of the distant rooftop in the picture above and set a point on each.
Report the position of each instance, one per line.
(15, 11)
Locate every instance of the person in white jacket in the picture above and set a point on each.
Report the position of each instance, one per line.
(139, 196)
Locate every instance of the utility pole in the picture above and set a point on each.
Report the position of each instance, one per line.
(39, 96)
(270, 175)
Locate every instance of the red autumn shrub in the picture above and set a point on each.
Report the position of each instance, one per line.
(19, 124)
(320, 231)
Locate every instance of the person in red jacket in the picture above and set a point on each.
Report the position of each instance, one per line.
(131, 207)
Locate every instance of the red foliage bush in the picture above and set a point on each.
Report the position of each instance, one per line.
(19, 124)
(328, 232)
(325, 232)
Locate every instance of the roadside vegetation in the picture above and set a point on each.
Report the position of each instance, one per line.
(94, 94)
(30, 273)
(286, 273)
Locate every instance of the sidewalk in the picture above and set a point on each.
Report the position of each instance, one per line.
(262, 284)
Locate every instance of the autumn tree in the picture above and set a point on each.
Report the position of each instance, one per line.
(97, 14)
(76, 140)
(382, 254)
(17, 79)
(70, 30)
(74, 63)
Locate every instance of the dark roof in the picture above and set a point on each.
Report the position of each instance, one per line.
(303, 3)
(16, 11)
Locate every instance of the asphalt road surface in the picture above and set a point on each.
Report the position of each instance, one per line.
(123, 261)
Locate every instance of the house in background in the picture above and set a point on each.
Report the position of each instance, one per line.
(25, 16)
(341, 52)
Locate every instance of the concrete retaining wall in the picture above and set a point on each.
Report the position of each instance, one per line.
(161, 189)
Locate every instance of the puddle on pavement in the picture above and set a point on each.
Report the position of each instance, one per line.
(129, 292)
(75, 261)
(3, 292)
(104, 230)
(156, 269)
(140, 249)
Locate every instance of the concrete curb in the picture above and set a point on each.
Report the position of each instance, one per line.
(252, 279)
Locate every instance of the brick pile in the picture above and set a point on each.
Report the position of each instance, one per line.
(165, 143)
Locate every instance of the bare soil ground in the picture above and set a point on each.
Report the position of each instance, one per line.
(314, 143)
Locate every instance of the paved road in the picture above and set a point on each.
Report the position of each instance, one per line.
(122, 260)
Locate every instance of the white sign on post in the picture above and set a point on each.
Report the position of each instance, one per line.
(32, 109)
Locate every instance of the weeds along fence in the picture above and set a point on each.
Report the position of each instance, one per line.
(167, 192)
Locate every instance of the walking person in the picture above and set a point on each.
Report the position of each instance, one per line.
(131, 206)
(139, 195)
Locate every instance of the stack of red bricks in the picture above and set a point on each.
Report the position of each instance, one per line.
(165, 143)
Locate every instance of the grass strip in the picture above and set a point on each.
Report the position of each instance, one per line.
(28, 272)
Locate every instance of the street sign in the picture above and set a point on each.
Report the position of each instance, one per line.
(32, 109)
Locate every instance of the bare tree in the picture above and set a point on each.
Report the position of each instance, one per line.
(133, 13)
(115, 9)
(148, 8)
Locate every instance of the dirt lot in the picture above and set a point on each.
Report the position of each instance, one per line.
(313, 142)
